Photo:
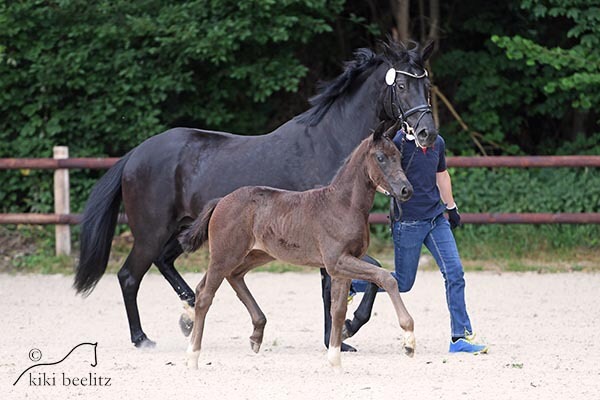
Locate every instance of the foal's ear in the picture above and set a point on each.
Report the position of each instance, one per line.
(379, 131)
(427, 50)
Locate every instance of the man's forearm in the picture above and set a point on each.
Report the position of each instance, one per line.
(444, 184)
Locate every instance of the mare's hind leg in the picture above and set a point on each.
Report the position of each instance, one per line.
(205, 293)
(166, 265)
(254, 259)
(130, 276)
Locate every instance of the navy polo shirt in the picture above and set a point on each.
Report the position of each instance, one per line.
(420, 168)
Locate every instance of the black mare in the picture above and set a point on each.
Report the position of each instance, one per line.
(166, 181)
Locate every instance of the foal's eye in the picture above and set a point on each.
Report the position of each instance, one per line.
(380, 158)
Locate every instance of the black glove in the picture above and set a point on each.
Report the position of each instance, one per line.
(453, 217)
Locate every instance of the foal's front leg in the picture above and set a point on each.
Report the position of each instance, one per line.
(339, 305)
(352, 268)
(205, 293)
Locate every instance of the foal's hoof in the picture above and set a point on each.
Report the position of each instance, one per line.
(347, 348)
(409, 344)
(186, 324)
(144, 343)
(192, 359)
(254, 345)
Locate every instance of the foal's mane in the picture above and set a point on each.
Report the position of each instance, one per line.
(392, 53)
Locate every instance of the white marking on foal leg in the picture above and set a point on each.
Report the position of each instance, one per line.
(335, 359)
(192, 357)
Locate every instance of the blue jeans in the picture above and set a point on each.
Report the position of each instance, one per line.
(435, 234)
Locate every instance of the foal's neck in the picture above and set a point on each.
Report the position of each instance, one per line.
(352, 184)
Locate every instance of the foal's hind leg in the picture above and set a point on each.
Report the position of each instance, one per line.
(166, 265)
(254, 259)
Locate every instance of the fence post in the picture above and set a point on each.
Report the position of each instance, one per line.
(61, 202)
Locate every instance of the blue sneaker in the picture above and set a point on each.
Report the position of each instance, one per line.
(464, 345)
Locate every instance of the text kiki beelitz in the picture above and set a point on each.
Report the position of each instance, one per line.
(63, 379)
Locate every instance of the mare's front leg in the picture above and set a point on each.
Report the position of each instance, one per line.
(339, 305)
(350, 267)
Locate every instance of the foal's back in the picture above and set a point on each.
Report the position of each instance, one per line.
(290, 226)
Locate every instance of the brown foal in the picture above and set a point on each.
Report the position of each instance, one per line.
(324, 228)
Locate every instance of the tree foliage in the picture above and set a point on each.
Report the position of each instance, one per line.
(517, 77)
(103, 76)
(531, 84)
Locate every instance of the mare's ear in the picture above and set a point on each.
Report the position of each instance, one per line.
(427, 50)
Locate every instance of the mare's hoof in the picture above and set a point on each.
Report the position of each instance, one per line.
(144, 343)
(346, 331)
(186, 324)
(348, 348)
(255, 346)
(409, 351)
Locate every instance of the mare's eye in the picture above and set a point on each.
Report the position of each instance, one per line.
(401, 86)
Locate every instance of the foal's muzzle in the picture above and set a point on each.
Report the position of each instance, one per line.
(402, 192)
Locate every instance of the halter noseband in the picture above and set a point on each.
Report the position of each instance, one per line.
(390, 80)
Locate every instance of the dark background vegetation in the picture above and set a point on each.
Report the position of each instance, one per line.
(510, 77)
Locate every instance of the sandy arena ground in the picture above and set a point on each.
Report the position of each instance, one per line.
(543, 330)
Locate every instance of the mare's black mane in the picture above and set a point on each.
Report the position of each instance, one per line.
(393, 54)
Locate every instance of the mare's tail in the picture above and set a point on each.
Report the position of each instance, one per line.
(98, 228)
(193, 237)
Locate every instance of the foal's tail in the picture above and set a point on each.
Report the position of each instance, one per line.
(98, 228)
(194, 236)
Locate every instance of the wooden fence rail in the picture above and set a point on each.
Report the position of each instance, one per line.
(63, 219)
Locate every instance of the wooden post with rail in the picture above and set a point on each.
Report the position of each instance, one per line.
(61, 203)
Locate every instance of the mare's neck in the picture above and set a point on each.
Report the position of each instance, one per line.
(352, 184)
(351, 117)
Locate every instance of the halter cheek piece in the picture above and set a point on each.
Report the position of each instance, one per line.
(390, 80)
